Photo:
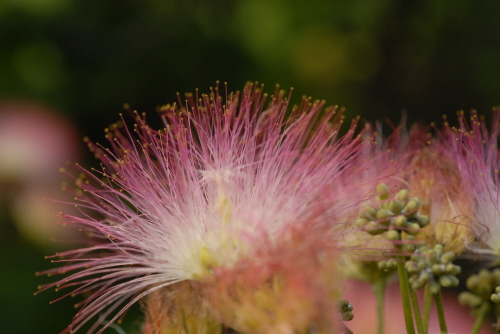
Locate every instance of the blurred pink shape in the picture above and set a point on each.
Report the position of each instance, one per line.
(360, 295)
(34, 143)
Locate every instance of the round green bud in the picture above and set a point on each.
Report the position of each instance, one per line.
(400, 221)
(374, 228)
(422, 265)
(369, 213)
(413, 229)
(403, 195)
(416, 285)
(395, 207)
(392, 263)
(383, 191)
(448, 281)
(410, 247)
(496, 275)
(448, 257)
(472, 282)
(383, 216)
(360, 222)
(393, 235)
(437, 269)
(423, 220)
(382, 265)
(495, 298)
(411, 207)
(469, 299)
(425, 277)
(411, 268)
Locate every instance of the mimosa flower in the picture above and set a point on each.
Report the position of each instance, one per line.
(426, 166)
(436, 179)
(223, 189)
(476, 152)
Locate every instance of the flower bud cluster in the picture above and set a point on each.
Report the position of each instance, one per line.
(483, 288)
(434, 267)
(388, 265)
(394, 216)
(346, 310)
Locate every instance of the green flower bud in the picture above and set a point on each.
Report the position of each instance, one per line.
(410, 247)
(423, 220)
(400, 221)
(374, 228)
(448, 281)
(395, 207)
(495, 298)
(360, 222)
(472, 282)
(393, 235)
(456, 270)
(413, 229)
(412, 206)
(403, 195)
(469, 299)
(448, 257)
(383, 191)
(496, 276)
(383, 216)
(369, 213)
(437, 269)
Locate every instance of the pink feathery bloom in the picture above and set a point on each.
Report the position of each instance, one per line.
(236, 191)
(476, 151)
(424, 164)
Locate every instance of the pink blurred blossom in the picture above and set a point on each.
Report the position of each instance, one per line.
(34, 143)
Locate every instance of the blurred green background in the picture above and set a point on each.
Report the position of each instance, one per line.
(85, 58)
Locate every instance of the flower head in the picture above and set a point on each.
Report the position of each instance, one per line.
(425, 165)
(476, 153)
(226, 186)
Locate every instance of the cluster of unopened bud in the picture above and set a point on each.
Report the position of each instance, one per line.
(346, 310)
(483, 288)
(434, 267)
(495, 297)
(394, 216)
(388, 265)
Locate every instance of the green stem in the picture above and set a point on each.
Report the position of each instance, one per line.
(440, 312)
(379, 289)
(416, 312)
(427, 307)
(405, 294)
(481, 317)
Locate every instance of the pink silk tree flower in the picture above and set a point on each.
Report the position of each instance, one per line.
(219, 196)
(476, 152)
(435, 177)
(424, 164)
